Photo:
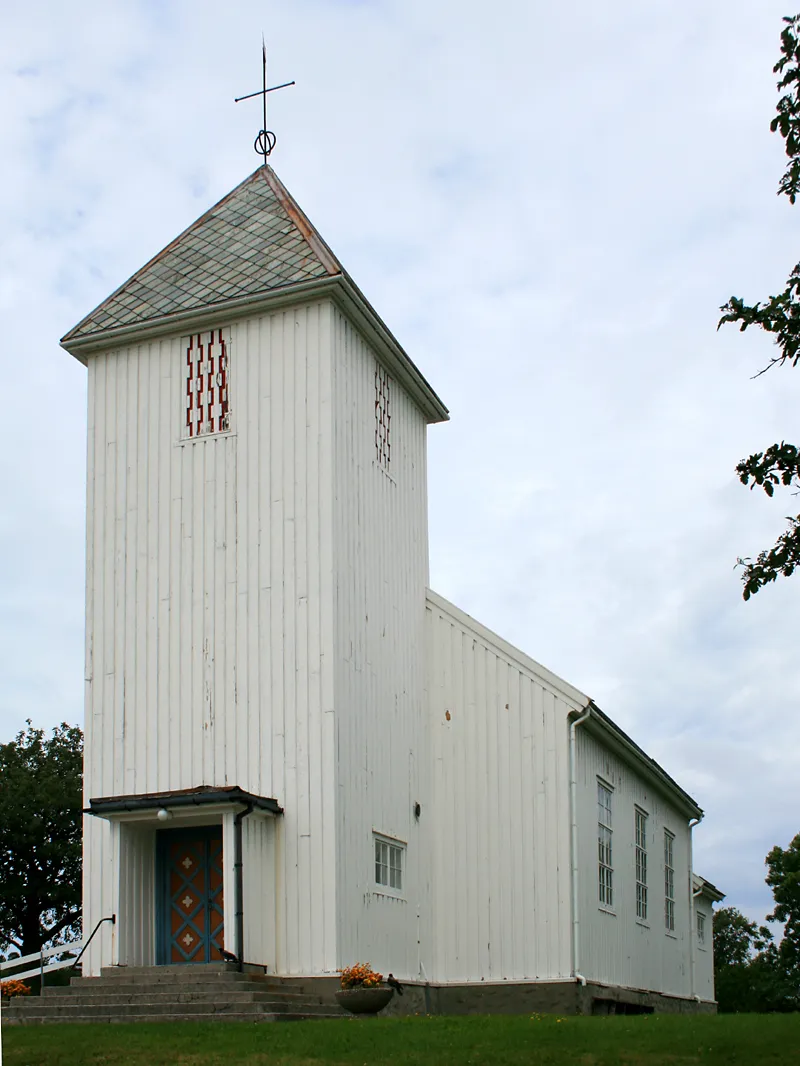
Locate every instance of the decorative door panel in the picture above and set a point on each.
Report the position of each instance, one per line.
(190, 900)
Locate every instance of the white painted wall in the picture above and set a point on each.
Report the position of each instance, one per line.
(380, 570)
(257, 616)
(499, 805)
(209, 655)
(260, 896)
(136, 915)
(704, 953)
(616, 947)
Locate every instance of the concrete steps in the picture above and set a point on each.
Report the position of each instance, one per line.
(173, 993)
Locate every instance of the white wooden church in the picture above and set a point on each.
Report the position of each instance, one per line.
(295, 750)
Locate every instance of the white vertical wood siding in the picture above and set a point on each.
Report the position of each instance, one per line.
(209, 583)
(617, 948)
(500, 806)
(258, 862)
(380, 568)
(137, 894)
(704, 953)
(103, 888)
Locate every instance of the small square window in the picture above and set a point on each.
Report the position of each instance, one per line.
(389, 863)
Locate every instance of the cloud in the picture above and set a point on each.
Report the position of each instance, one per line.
(547, 204)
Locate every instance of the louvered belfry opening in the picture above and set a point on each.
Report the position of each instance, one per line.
(383, 416)
(207, 385)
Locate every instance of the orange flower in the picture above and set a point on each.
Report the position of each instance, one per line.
(14, 987)
(360, 975)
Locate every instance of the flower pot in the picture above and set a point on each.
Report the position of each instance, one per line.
(360, 1000)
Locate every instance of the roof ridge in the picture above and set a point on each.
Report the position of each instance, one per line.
(315, 241)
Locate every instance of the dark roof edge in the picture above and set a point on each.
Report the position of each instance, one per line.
(358, 308)
(705, 888)
(103, 340)
(338, 287)
(318, 246)
(629, 746)
(199, 797)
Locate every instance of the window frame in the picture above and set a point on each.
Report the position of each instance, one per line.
(669, 881)
(640, 847)
(605, 845)
(700, 917)
(395, 849)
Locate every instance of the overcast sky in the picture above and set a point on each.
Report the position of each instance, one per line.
(547, 203)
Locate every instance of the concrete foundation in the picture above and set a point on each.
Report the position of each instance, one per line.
(530, 997)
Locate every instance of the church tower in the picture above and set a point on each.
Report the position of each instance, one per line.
(257, 563)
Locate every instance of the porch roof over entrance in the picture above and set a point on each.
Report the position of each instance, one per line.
(185, 797)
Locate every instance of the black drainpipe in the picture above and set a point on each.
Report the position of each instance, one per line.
(239, 883)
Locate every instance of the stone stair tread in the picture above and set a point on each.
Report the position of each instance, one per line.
(211, 979)
(183, 993)
(177, 968)
(103, 1006)
(96, 1019)
(36, 1006)
(165, 994)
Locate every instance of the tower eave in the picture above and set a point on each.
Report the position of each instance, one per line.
(339, 288)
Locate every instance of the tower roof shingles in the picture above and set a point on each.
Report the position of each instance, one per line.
(249, 243)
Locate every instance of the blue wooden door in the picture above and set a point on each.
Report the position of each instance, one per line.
(190, 906)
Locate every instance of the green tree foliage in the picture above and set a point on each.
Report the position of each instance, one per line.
(751, 971)
(779, 464)
(741, 976)
(784, 880)
(40, 837)
(736, 939)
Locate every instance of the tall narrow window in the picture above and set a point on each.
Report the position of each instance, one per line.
(641, 864)
(669, 881)
(605, 880)
(206, 377)
(383, 417)
(701, 929)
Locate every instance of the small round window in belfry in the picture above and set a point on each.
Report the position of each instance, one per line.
(447, 715)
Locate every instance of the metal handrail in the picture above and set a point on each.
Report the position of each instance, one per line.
(45, 953)
(111, 918)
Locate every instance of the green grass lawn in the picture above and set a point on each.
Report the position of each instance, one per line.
(481, 1041)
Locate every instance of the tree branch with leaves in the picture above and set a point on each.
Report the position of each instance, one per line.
(779, 465)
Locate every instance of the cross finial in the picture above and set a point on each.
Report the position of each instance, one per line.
(265, 141)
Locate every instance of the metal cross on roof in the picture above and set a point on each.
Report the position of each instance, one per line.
(265, 141)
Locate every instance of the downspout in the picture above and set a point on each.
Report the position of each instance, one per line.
(239, 882)
(573, 803)
(692, 920)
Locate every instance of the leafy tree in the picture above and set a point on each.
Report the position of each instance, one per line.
(751, 971)
(784, 880)
(740, 979)
(736, 939)
(40, 837)
(779, 464)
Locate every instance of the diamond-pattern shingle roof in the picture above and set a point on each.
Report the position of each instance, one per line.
(255, 240)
